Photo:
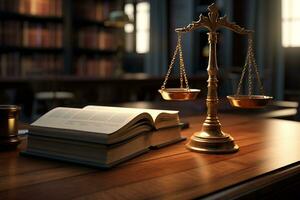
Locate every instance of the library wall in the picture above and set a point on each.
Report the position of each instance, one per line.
(59, 46)
(32, 38)
(30, 31)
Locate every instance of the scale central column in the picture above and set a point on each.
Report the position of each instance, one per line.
(211, 139)
(211, 124)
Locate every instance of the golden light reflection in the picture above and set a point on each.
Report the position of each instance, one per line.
(283, 140)
(11, 125)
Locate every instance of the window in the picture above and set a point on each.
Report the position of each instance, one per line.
(142, 27)
(129, 28)
(138, 32)
(290, 23)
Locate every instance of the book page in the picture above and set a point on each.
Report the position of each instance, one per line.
(105, 121)
(153, 112)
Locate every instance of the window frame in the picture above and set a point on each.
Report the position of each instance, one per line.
(134, 22)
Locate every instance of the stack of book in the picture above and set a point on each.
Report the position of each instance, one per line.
(101, 136)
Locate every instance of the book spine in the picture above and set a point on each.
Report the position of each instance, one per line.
(58, 8)
(1, 33)
(25, 34)
(95, 67)
(58, 36)
(4, 62)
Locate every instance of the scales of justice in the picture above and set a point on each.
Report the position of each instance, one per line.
(211, 139)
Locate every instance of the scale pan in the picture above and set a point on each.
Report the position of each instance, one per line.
(249, 101)
(179, 94)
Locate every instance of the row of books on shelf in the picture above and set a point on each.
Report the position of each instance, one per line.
(16, 65)
(94, 9)
(94, 38)
(33, 7)
(14, 33)
(96, 67)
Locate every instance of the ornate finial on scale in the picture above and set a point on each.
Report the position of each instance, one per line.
(213, 22)
(211, 139)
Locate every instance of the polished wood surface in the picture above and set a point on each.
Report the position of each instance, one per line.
(269, 153)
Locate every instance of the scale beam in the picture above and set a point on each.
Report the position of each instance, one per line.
(213, 22)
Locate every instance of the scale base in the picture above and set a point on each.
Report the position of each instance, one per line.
(205, 143)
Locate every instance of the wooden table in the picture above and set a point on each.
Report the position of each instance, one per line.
(267, 165)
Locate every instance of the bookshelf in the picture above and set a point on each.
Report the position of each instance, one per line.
(97, 45)
(42, 38)
(10, 15)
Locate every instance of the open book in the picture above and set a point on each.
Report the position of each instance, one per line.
(100, 135)
(102, 124)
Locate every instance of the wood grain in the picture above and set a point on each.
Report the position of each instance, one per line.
(268, 148)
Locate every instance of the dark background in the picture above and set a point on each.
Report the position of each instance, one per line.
(138, 76)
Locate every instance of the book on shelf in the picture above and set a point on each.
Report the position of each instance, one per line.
(101, 136)
(33, 7)
(94, 10)
(10, 64)
(96, 67)
(95, 38)
(17, 65)
(10, 33)
(46, 36)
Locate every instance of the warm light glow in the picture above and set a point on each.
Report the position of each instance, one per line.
(290, 23)
(11, 125)
(128, 28)
(142, 27)
(33, 7)
(129, 11)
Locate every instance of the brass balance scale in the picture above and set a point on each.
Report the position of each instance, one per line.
(211, 139)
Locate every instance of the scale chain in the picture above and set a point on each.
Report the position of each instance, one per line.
(256, 67)
(253, 63)
(249, 53)
(183, 76)
(185, 79)
(250, 83)
(181, 64)
(250, 65)
(180, 61)
(170, 68)
(242, 76)
(258, 79)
